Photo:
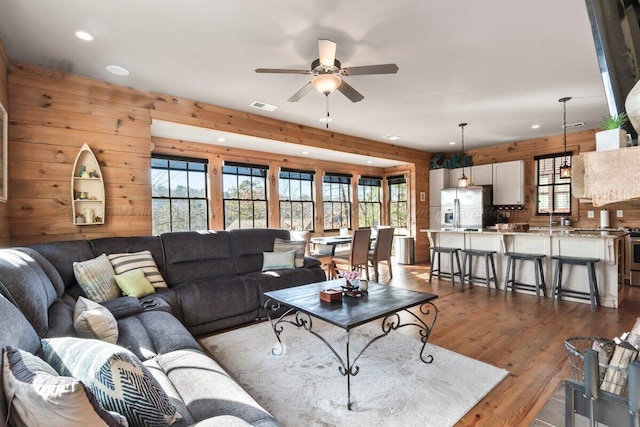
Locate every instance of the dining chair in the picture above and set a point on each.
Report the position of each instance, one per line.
(382, 251)
(358, 255)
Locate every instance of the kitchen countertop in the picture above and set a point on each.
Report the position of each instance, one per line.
(541, 231)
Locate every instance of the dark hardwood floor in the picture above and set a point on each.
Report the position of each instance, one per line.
(515, 333)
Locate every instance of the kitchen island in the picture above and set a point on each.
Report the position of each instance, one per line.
(608, 246)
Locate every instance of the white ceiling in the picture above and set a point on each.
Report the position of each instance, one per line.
(500, 65)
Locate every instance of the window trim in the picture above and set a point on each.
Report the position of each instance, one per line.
(342, 179)
(370, 182)
(290, 201)
(395, 180)
(560, 159)
(257, 171)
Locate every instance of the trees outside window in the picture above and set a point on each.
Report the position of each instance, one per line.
(553, 192)
(336, 201)
(244, 195)
(296, 199)
(369, 201)
(178, 194)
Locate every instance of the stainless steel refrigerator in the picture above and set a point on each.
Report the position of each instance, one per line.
(467, 208)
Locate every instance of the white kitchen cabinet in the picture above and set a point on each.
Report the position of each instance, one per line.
(508, 183)
(481, 174)
(438, 179)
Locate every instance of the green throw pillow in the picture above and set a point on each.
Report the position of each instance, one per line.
(134, 284)
(278, 260)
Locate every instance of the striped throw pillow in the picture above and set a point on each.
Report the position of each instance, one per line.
(144, 261)
(280, 245)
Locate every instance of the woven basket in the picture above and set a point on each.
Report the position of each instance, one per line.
(575, 348)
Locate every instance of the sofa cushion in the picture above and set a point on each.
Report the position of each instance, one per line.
(278, 260)
(116, 376)
(192, 256)
(92, 320)
(249, 244)
(281, 245)
(62, 256)
(133, 283)
(39, 397)
(116, 245)
(124, 262)
(95, 277)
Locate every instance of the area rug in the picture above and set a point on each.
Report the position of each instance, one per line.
(303, 387)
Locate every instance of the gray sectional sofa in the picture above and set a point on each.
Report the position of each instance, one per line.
(214, 282)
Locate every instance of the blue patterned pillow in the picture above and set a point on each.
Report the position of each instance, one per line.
(116, 377)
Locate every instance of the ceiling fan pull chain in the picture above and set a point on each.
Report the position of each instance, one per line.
(328, 119)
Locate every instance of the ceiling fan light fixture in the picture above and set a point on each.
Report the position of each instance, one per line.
(326, 83)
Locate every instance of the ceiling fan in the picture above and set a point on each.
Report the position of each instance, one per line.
(327, 73)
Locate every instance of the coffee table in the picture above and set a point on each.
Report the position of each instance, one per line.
(381, 301)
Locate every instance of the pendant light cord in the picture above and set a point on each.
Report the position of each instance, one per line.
(327, 104)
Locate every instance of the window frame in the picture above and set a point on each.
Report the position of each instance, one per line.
(364, 207)
(344, 206)
(396, 180)
(253, 171)
(190, 162)
(554, 185)
(299, 176)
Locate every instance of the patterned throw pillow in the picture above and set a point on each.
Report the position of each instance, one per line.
(39, 397)
(138, 260)
(280, 245)
(95, 277)
(278, 260)
(92, 320)
(116, 377)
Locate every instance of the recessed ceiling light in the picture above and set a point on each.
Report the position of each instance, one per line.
(83, 35)
(221, 139)
(535, 126)
(325, 119)
(452, 143)
(117, 70)
(391, 137)
(263, 106)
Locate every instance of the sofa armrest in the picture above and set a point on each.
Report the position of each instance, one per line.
(154, 303)
(123, 306)
(311, 262)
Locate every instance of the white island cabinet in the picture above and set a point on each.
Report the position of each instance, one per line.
(508, 183)
(607, 246)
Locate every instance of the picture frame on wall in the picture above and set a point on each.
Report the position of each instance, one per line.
(4, 134)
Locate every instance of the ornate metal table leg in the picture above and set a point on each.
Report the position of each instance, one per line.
(393, 322)
(301, 320)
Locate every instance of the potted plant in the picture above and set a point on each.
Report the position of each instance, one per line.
(612, 136)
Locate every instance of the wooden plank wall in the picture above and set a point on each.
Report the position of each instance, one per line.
(52, 115)
(5, 221)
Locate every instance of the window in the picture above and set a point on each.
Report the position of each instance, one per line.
(369, 204)
(296, 199)
(336, 201)
(178, 194)
(553, 192)
(397, 201)
(244, 195)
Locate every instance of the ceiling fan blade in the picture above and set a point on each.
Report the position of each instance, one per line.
(348, 91)
(281, 71)
(370, 69)
(302, 92)
(327, 51)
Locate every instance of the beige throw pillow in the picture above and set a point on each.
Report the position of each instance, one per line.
(95, 277)
(280, 245)
(92, 320)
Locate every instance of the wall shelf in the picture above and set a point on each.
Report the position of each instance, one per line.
(87, 189)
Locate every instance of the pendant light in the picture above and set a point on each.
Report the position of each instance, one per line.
(463, 181)
(565, 169)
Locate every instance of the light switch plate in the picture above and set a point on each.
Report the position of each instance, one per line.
(422, 196)
(619, 213)
(591, 214)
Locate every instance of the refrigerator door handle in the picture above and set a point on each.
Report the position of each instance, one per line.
(456, 213)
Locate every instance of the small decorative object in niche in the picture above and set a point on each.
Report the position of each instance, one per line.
(4, 132)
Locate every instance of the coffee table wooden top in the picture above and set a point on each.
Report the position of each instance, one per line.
(380, 301)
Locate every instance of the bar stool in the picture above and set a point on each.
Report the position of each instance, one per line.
(538, 275)
(468, 254)
(558, 292)
(453, 252)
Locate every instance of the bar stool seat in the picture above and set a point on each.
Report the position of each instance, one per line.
(467, 261)
(510, 277)
(593, 295)
(437, 272)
